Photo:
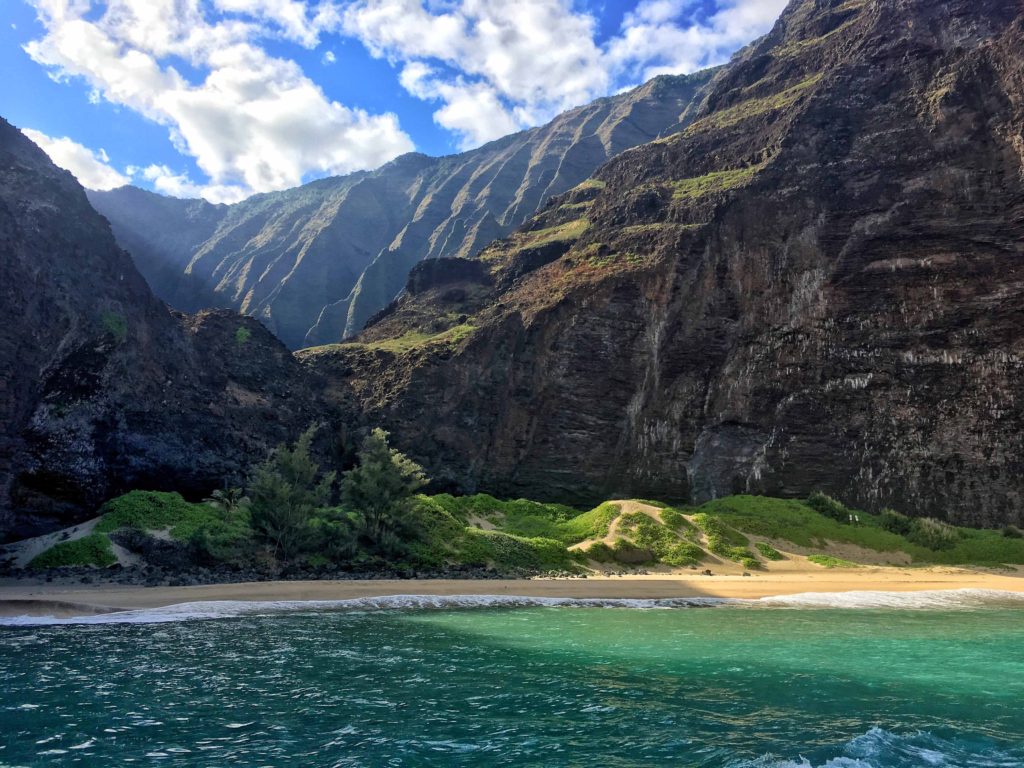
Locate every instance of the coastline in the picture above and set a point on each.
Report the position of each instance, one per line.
(66, 601)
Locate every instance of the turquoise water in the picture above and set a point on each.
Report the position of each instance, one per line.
(734, 685)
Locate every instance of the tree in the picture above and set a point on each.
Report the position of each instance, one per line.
(286, 495)
(379, 488)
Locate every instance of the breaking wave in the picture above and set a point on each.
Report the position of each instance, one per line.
(879, 747)
(929, 600)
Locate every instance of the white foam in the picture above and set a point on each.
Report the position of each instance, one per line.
(948, 599)
(224, 609)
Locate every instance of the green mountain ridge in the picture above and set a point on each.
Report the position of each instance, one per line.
(315, 262)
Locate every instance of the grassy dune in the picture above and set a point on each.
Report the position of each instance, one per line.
(753, 532)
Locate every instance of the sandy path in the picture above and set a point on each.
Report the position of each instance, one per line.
(44, 599)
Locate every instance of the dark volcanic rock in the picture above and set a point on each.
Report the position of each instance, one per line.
(314, 263)
(816, 285)
(102, 389)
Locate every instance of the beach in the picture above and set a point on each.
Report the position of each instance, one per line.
(66, 600)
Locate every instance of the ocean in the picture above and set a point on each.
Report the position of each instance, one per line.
(852, 680)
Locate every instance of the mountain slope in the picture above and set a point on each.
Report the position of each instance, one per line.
(817, 284)
(313, 263)
(102, 389)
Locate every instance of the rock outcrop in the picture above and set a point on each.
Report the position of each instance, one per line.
(102, 388)
(818, 284)
(314, 263)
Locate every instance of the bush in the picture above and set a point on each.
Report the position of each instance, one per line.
(892, 521)
(156, 511)
(768, 552)
(91, 550)
(1013, 532)
(933, 534)
(600, 552)
(682, 555)
(829, 507)
(628, 553)
(828, 561)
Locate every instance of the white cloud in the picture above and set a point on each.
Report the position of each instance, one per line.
(497, 66)
(91, 168)
(515, 64)
(253, 123)
(657, 38)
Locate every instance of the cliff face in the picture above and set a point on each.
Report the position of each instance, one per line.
(102, 389)
(313, 263)
(817, 284)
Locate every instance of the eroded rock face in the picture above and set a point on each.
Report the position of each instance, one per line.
(817, 285)
(314, 263)
(102, 389)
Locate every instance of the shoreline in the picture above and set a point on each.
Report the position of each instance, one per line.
(67, 601)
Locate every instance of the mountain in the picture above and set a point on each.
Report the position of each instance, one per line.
(313, 263)
(817, 284)
(102, 388)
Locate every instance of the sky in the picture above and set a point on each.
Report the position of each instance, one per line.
(222, 99)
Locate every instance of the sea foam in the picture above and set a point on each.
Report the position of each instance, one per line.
(879, 747)
(225, 609)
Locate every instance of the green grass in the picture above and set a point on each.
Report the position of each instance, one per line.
(795, 521)
(495, 548)
(115, 325)
(157, 511)
(525, 518)
(752, 108)
(591, 184)
(242, 335)
(725, 541)
(768, 552)
(91, 550)
(828, 561)
(711, 183)
(407, 342)
(571, 230)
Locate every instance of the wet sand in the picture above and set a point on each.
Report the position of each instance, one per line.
(76, 600)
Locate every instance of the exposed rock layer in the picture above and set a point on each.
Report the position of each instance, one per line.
(817, 285)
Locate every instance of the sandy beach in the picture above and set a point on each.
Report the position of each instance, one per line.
(73, 600)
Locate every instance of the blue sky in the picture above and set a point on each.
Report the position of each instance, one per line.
(225, 98)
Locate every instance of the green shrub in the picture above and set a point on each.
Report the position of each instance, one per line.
(532, 519)
(683, 554)
(157, 511)
(115, 325)
(1013, 532)
(628, 553)
(768, 551)
(600, 552)
(91, 550)
(933, 534)
(674, 519)
(828, 561)
(242, 335)
(494, 548)
(829, 507)
(892, 521)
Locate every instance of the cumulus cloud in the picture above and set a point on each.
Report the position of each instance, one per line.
(256, 122)
(514, 64)
(661, 36)
(253, 123)
(498, 66)
(91, 168)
